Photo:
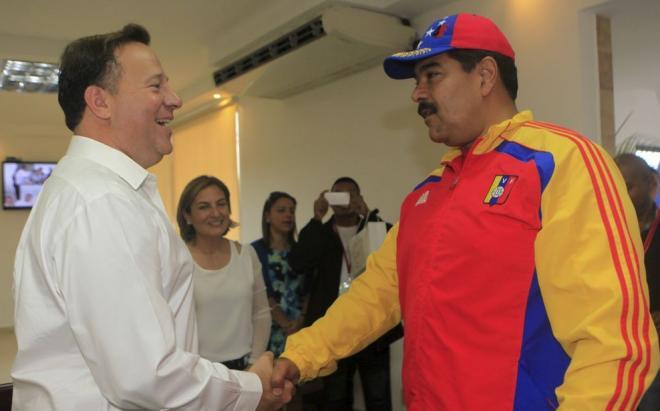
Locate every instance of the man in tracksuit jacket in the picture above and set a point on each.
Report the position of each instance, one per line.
(516, 266)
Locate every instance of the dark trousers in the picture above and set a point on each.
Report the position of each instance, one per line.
(651, 399)
(374, 367)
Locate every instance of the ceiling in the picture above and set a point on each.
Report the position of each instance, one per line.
(188, 35)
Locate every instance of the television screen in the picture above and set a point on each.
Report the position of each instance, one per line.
(22, 182)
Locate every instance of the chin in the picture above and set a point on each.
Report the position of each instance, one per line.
(213, 232)
(166, 148)
(438, 138)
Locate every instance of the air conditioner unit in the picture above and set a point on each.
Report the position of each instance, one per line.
(340, 41)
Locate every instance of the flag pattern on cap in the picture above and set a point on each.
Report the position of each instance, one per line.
(460, 31)
(440, 30)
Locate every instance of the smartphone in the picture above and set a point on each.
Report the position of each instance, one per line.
(337, 198)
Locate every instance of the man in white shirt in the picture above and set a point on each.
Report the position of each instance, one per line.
(102, 283)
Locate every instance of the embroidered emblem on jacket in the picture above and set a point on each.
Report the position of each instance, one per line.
(500, 189)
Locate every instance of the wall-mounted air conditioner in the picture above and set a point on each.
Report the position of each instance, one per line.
(338, 42)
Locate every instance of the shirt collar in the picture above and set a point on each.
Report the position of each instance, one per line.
(494, 135)
(111, 158)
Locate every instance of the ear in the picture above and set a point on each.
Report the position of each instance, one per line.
(488, 74)
(97, 100)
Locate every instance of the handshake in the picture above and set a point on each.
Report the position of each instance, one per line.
(277, 380)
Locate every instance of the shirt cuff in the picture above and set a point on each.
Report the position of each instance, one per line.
(251, 390)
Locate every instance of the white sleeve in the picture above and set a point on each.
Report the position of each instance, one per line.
(108, 258)
(261, 318)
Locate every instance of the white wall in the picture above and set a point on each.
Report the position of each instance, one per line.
(364, 126)
(636, 67)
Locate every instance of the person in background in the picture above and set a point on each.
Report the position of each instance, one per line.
(20, 177)
(104, 312)
(287, 290)
(642, 183)
(515, 264)
(323, 252)
(233, 316)
(287, 295)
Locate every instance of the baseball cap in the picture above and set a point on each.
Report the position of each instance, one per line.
(459, 31)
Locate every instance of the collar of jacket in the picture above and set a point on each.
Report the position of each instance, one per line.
(493, 137)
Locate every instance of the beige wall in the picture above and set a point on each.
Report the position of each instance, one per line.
(12, 221)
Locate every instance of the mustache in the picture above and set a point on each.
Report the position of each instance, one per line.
(426, 109)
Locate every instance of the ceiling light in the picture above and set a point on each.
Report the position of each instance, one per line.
(18, 75)
(217, 96)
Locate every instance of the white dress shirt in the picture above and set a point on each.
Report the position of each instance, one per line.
(104, 313)
(233, 315)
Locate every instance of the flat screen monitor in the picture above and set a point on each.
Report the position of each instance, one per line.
(22, 182)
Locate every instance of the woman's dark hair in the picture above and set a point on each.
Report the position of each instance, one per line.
(265, 225)
(91, 61)
(506, 66)
(193, 188)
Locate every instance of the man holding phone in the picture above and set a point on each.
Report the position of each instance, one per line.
(323, 251)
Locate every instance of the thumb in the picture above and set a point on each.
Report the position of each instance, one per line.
(284, 370)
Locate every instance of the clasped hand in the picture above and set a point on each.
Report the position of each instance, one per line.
(285, 373)
(273, 397)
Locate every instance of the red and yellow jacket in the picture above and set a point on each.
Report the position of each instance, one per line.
(517, 268)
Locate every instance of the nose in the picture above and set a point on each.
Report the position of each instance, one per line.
(172, 100)
(419, 93)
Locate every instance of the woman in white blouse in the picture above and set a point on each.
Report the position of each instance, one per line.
(233, 316)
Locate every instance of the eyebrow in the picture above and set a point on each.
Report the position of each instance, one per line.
(159, 77)
(209, 202)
